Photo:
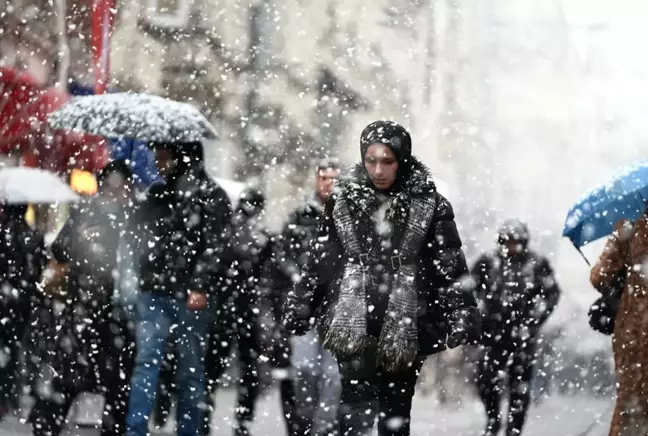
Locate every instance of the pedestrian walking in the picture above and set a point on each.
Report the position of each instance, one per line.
(90, 346)
(236, 312)
(381, 282)
(517, 292)
(626, 248)
(22, 260)
(315, 376)
(185, 231)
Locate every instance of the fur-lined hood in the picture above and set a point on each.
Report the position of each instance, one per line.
(355, 186)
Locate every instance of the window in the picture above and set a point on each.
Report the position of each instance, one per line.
(168, 13)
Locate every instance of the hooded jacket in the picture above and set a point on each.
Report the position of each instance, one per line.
(517, 294)
(185, 229)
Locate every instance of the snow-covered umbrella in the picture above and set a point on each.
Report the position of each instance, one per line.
(136, 116)
(23, 185)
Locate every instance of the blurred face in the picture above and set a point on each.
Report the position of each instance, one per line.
(116, 187)
(511, 247)
(164, 162)
(325, 181)
(382, 166)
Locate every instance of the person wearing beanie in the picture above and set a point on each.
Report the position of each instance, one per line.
(517, 292)
(381, 282)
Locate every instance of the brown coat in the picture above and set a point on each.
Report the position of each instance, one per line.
(630, 339)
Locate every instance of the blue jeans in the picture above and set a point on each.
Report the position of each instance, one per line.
(157, 317)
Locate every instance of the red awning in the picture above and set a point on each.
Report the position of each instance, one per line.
(24, 107)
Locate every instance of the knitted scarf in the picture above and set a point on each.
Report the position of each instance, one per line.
(410, 213)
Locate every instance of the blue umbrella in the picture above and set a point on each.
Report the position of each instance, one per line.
(141, 157)
(596, 213)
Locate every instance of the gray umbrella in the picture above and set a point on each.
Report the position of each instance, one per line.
(133, 116)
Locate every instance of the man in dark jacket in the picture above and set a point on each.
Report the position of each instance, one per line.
(185, 232)
(316, 379)
(22, 260)
(381, 282)
(237, 311)
(517, 292)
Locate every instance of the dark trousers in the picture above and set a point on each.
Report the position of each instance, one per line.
(369, 393)
(11, 340)
(516, 361)
(281, 352)
(113, 363)
(217, 361)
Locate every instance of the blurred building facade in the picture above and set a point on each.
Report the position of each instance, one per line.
(285, 82)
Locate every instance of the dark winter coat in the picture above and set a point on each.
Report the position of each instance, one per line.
(295, 240)
(290, 253)
(69, 337)
(184, 229)
(249, 251)
(438, 262)
(22, 260)
(22, 253)
(288, 258)
(90, 237)
(517, 295)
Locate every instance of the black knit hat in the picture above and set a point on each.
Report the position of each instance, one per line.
(389, 133)
(513, 230)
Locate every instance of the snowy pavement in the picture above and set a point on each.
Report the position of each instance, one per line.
(565, 416)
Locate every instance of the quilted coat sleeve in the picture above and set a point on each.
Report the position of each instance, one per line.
(613, 258)
(449, 265)
(324, 262)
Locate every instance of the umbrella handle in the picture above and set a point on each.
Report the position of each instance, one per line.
(581, 253)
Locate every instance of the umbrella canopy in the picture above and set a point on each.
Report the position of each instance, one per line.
(23, 185)
(624, 195)
(136, 116)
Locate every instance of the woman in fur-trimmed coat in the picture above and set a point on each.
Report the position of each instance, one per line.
(626, 249)
(381, 282)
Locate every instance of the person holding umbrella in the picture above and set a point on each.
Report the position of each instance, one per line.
(617, 209)
(185, 230)
(381, 282)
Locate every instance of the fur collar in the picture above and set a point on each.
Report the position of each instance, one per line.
(355, 189)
